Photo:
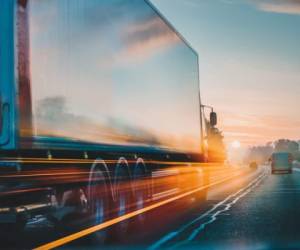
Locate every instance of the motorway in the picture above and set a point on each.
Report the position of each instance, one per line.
(256, 210)
(262, 215)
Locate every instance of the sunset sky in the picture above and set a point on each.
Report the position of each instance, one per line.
(249, 53)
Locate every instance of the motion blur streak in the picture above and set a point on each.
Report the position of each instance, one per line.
(109, 223)
(164, 180)
(62, 171)
(108, 161)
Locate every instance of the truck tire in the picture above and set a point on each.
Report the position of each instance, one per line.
(141, 192)
(123, 195)
(98, 201)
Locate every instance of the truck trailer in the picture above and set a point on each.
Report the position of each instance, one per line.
(99, 99)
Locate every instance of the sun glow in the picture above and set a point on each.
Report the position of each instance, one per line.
(236, 144)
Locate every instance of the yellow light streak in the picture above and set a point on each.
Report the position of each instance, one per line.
(70, 160)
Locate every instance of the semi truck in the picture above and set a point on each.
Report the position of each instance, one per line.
(99, 99)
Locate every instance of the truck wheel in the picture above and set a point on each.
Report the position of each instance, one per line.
(123, 192)
(141, 192)
(98, 201)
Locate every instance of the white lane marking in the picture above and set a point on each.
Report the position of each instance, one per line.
(210, 213)
(227, 208)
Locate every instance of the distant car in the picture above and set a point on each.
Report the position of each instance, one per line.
(281, 162)
(253, 165)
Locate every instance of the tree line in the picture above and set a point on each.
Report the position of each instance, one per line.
(261, 154)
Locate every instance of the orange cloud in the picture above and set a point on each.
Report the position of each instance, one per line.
(254, 130)
(280, 6)
(148, 37)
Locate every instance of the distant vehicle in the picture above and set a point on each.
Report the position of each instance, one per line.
(253, 165)
(281, 162)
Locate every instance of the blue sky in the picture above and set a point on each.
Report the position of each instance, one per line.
(249, 62)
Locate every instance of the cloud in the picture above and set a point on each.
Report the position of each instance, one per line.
(148, 37)
(251, 129)
(53, 118)
(279, 6)
(291, 7)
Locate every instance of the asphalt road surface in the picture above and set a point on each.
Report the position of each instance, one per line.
(256, 210)
(264, 215)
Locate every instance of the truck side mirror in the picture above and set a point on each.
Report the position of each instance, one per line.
(213, 119)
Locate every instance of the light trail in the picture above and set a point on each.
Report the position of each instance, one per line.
(112, 161)
(42, 174)
(93, 229)
(63, 173)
